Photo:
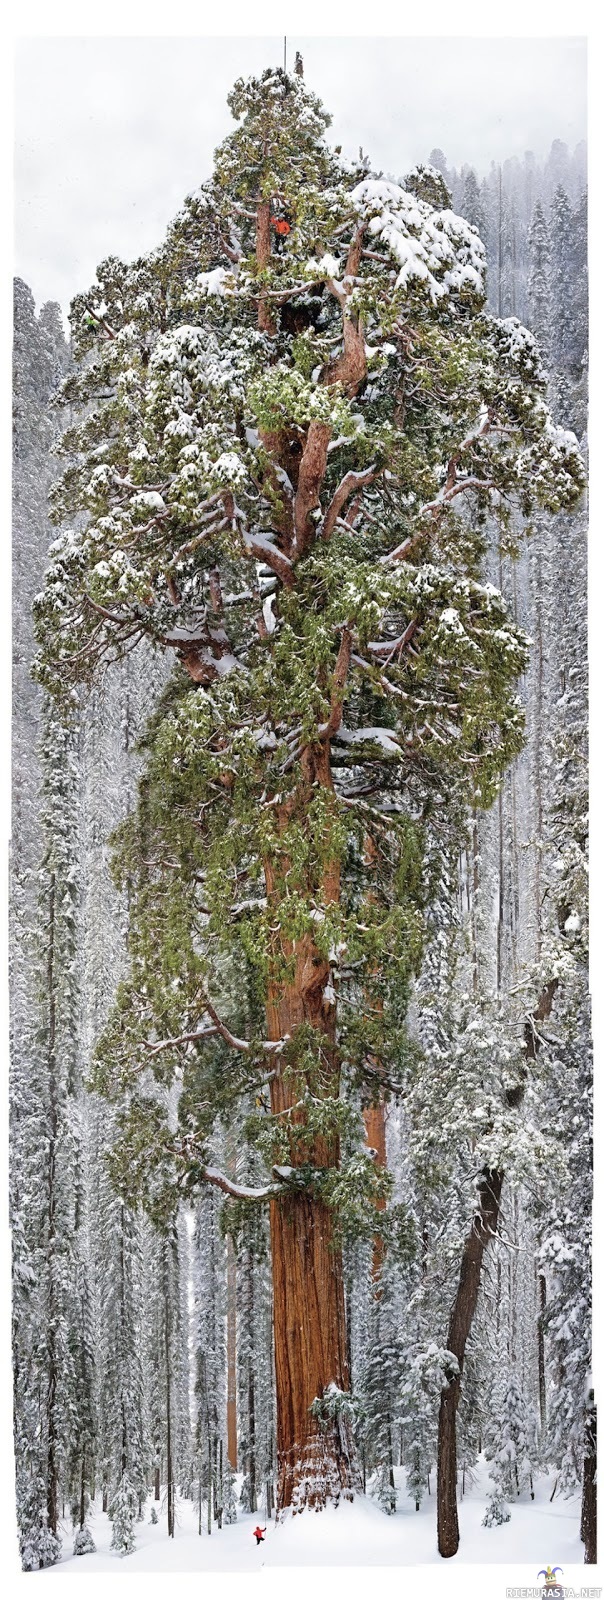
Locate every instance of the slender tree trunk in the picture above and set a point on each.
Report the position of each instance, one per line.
(484, 1228)
(83, 1490)
(251, 1407)
(169, 1465)
(589, 1508)
(231, 1354)
(157, 1484)
(541, 1350)
(52, 1480)
(374, 1118)
(220, 1493)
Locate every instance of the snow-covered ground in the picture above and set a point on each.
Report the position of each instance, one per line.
(358, 1535)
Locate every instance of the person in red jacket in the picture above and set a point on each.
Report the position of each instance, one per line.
(282, 228)
(259, 1535)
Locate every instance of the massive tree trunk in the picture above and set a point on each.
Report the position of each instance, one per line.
(316, 1455)
(484, 1228)
(316, 1459)
(374, 1116)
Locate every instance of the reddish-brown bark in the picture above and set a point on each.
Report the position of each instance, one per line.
(266, 320)
(374, 1118)
(315, 1458)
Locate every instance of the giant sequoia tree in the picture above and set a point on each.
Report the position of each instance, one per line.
(295, 417)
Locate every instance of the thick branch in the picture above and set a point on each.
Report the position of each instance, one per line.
(311, 475)
(274, 1046)
(240, 1191)
(340, 675)
(352, 481)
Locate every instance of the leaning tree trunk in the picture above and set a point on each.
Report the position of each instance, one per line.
(484, 1228)
(589, 1508)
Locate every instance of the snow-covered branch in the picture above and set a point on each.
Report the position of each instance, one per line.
(352, 481)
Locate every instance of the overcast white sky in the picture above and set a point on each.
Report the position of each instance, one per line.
(111, 133)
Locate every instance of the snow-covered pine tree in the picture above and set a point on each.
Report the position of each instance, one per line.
(50, 1342)
(539, 283)
(275, 502)
(39, 360)
(209, 1287)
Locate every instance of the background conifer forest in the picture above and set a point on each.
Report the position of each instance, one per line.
(301, 1064)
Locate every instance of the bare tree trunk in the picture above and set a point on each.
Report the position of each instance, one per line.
(231, 1354)
(316, 1459)
(589, 1507)
(52, 1480)
(484, 1228)
(541, 1350)
(169, 1465)
(157, 1484)
(83, 1490)
(314, 1463)
(266, 321)
(374, 1118)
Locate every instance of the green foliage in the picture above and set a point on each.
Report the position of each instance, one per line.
(274, 780)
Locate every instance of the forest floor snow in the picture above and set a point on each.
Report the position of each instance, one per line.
(357, 1535)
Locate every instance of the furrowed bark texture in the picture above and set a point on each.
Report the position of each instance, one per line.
(374, 1118)
(316, 1457)
(316, 1460)
(484, 1228)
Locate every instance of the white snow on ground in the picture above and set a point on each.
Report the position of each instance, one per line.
(358, 1535)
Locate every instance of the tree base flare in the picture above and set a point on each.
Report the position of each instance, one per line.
(322, 1472)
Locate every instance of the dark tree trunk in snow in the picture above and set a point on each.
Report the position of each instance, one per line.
(589, 1507)
(541, 1350)
(484, 1228)
(53, 1374)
